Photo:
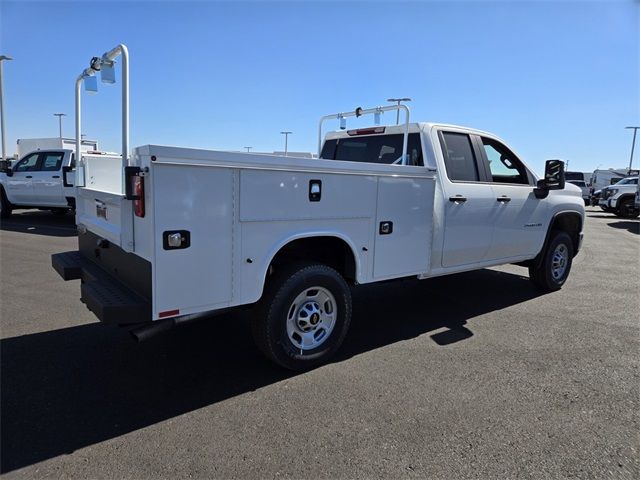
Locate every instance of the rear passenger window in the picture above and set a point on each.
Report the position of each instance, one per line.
(459, 158)
(51, 161)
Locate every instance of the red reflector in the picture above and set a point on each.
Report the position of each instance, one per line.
(169, 313)
(138, 191)
(365, 131)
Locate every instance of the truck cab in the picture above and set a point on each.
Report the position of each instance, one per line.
(40, 179)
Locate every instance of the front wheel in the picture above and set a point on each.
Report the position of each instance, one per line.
(303, 316)
(5, 205)
(628, 209)
(552, 271)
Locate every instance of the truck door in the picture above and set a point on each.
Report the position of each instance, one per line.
(20, 184)
(467, 201)
(47, 179)
(519, 218)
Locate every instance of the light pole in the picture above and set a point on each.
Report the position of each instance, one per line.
(286, 138)
(399, 100)
(633, 144)
(248, 149)
(2, 126)
(60, 115)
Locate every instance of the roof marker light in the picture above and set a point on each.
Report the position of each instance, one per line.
(366, 131)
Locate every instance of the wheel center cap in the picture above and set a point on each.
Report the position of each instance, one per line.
(315, 318)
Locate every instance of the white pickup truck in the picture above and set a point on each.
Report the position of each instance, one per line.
(41, 179)
(619, 198)
(173, 233)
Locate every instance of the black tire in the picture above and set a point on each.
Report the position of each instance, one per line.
(278, 308)
(544, 274)
(5, 205)
(628, 209)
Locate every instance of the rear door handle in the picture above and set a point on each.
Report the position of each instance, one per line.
(503, 199)
(28, 176)
(458, 199)
(55, 176)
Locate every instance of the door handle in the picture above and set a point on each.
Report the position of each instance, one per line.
(55, 176)
(503, 199)
(458, 199)
(28, 176)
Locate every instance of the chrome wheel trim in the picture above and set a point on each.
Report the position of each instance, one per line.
(311, 318)
(559, 261)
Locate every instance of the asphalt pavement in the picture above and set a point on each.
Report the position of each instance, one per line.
(474, 375)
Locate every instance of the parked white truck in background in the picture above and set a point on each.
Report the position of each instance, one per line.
(619, 198)
(42, 177)
(196, 231)
(28, 145)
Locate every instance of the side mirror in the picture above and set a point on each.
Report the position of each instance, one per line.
(5, 167)
(553, 178)
(554, 174)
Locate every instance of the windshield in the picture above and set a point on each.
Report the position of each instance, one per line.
(373, 149)
(628, 181)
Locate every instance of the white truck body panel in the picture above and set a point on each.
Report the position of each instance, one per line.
(27, 145)
(249, 206)
(241, 209)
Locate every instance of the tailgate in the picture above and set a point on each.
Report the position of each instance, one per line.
(108, 215)
(101, 206)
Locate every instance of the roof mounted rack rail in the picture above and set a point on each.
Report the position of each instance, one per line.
(104, 65)
(358, 112)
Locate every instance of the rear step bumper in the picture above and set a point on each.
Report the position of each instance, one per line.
(107, 298)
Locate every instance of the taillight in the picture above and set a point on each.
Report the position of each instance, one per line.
(138, 191)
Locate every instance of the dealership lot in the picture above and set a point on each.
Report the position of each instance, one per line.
(469, 376)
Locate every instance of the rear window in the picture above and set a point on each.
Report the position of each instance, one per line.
(373, 149)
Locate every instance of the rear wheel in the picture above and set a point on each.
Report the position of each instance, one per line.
(552, 271)
(5, 205)
(303, 316)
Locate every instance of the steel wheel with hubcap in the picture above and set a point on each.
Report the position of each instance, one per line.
(549, 271)
(311, 318)
(303, 315)
(559, 261)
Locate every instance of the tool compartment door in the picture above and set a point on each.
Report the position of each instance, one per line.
(403, 226)
(198, 201)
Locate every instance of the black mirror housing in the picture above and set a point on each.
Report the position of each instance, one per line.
(554, 174)
(5, 167)
(553, 178)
